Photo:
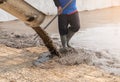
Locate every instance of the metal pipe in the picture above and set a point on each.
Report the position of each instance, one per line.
(47, 41)
(30, 16)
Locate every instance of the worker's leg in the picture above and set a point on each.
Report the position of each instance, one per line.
(74, 26)
(62, 23)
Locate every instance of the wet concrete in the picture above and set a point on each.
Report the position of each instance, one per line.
(98, 46)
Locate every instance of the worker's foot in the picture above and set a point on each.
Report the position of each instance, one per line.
(63, 50)
(67, 51)
(69, 46)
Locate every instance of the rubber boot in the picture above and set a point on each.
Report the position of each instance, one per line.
(64, 41)
(69, 36)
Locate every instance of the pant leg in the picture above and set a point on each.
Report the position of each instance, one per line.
(63, 24)
(74, 22)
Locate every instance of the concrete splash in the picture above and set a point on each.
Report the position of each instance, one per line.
(98, 46)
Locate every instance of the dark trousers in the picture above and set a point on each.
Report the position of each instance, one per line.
(65, 20)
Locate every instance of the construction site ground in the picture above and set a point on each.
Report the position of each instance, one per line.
(18, 50)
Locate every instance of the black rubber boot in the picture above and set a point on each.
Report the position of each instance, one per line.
(64, 48)
(69, 36)
(64, 41)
